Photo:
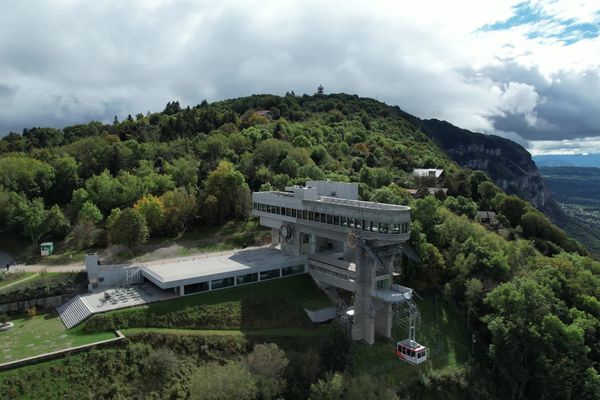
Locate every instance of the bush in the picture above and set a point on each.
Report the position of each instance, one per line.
(219, 316)
(32, 312)
(209, 348)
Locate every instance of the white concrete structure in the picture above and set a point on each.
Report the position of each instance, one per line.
(347, 244)
(423, 172)
(323, 229)
(201, 274)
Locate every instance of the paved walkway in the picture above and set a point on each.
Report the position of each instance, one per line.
(79, 266)
(50, 268)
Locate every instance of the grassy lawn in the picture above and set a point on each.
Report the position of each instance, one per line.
(33, 280)
(62, 257)
(295, 332)
(10, 279)
(299, 288)
(42, 334)
(274, 304)
(30, 279)
(204, 239)
(442, 330)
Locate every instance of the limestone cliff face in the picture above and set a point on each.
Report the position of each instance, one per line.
(506, 162)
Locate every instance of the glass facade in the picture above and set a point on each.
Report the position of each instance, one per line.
(196, 288)
(273, 273)
(297, 269)
(248, 278)
(339, 220)
(222, 283)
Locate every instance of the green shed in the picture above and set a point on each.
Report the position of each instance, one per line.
(46, 248)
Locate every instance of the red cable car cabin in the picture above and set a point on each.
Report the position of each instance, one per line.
(411, 351)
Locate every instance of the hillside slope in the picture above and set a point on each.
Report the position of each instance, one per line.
(509, 165)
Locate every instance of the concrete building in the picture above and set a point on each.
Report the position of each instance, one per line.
(197, 274)
(323, 229)
(424, 172)
(347, 243)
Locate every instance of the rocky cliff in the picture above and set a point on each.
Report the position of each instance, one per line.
(506, 162)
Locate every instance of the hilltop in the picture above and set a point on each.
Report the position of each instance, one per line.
(525, 290)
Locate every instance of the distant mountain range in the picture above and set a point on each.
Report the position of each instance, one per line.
(568, 160)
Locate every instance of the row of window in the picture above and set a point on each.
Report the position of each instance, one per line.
(243, 279)
(329, 272)
(347, 222)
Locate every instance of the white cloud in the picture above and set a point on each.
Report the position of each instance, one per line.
(80, 60)
(588, 145)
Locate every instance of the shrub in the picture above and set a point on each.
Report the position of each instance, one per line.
(32, 312)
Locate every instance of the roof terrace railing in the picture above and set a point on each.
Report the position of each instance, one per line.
(363, 204)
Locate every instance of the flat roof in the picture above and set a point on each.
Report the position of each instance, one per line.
(203, 268)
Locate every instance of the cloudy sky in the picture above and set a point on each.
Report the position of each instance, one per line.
(527, 70)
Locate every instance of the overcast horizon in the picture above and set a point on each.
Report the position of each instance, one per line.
(525, 70)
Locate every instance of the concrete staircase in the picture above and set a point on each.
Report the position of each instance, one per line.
(74, 311)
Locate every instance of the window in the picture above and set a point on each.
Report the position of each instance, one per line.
(336, 220)
(254, 206)
(294, 212)
(358, 224)
(317, 217)
(383, 284)
(195, 288)
(374, 227)
(311, 215)
(395, 228)
(365, 225)
(297, 269)
(351, 222)
(344, 221)
(305, 238)
(383, 228)
(268, 208)
(248, 278)
(329, 219)
(304, 214)
(273, 273)
(323, 218)
(222, 283)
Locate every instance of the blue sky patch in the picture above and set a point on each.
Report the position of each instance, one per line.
(546, 26)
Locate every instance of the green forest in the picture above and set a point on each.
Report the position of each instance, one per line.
(529, 294)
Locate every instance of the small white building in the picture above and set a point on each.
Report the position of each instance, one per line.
(428, 172)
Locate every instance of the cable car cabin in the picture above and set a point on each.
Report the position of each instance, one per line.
(411, 351)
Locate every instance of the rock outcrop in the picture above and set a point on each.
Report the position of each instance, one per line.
(508, 164)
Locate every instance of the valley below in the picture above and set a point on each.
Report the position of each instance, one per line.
(577, 191)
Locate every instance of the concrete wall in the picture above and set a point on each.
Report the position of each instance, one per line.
(322, 315)
(335, 189)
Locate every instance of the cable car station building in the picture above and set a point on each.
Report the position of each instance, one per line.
(322, 228)
(348, 244)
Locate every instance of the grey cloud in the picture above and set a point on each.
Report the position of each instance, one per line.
(71, 62)
(569, 109)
